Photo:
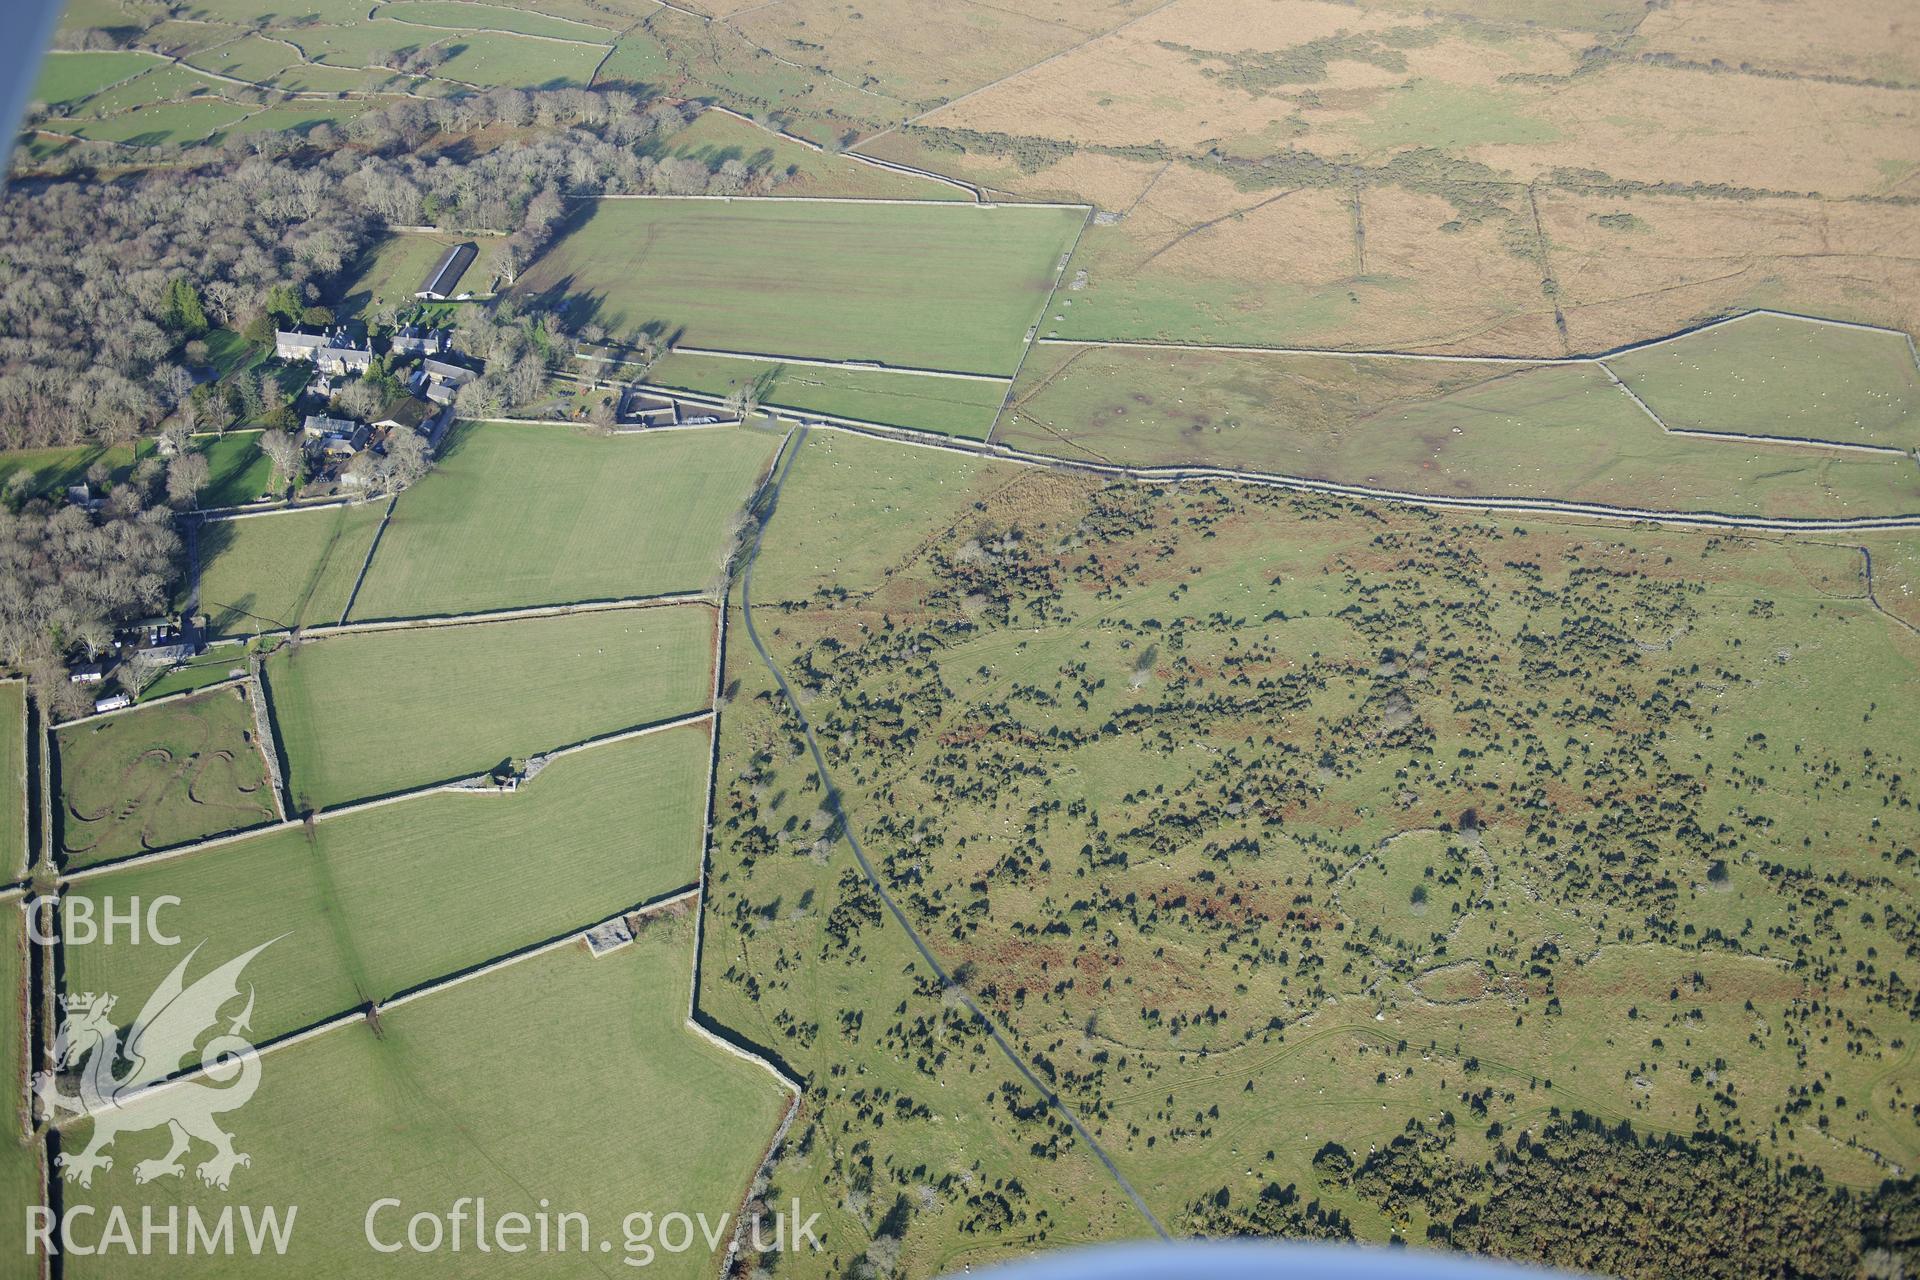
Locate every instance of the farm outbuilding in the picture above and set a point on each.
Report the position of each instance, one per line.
(445, 276)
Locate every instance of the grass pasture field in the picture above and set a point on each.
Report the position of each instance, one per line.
(239, 472)
(165, 82)
(473, 58)
(14, 853)
(251, 57)
(380, 901)
(194, 120)
(1554, 431)
(465, 16)
(20, 1153)
(942, 286)
(1769, 375)
(285, 570)
(364, 714)
(564, 1080)
(949, 406)
(158, 776)
(520, 515)
(72, 77)
(33, 473)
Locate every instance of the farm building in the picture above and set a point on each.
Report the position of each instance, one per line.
(318, 426)
(438, 380)
(419, 340)
(441, 281)
(345, 445)
(415, 415)
(334, 352)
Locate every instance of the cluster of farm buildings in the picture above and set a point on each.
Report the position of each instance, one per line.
(435, 372)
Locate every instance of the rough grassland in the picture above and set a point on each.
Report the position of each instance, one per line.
(1772, 376)
(19, 1157)
(944, 286)
(945, 405)
(544, 515)
(1329, 776)
(271, 573)
(13, 777)
(377, 902)
(716, 137)
(157, 777)
(369, 714)
(564, 1080)
(1559, 431)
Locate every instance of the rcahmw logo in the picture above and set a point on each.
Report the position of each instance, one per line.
(123, 1086)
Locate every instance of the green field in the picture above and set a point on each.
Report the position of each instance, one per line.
(474, 57)
(475, 17)
(833, 546)
(166, 82)
(1778, 376)
(518, 515)
(942, 286)
(250, 57)
(292, 569)
(176, 123)
(69, 77)
(564, 1081)
(14, 856)
(1555, 431)
(157, 777)
(949, 406)
(34, 473)
(239, 472)
(378, 902)
(19, 1154)
(376, 712)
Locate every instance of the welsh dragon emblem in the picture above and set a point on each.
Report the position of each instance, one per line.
(117, 1077)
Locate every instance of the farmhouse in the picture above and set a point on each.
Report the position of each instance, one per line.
(318, 426)
(440, 282)
(438, 380)
(419, 340)
(345, 445)
(415, 415)
(333, 352)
